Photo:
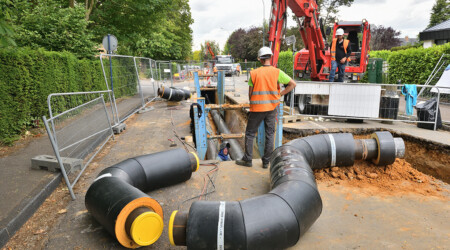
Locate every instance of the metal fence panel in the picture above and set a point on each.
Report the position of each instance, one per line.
(146, 71)
(79, 122)
(318, 99)
(122, 77)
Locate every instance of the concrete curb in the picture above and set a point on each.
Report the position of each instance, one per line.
(26, 209)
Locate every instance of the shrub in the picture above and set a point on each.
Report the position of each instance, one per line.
(28, 76)
(285, 62)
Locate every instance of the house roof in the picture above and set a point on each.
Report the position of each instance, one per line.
(438, 32)
(442, 26)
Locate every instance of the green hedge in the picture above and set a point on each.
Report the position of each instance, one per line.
(285, 61)
(413, 65)
(28, 76)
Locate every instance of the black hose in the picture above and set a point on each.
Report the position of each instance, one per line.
(116, 198)
(278, 219)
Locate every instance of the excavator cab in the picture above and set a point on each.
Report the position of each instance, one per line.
(358, 33)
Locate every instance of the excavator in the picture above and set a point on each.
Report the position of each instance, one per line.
(211, 51)
(315, 59)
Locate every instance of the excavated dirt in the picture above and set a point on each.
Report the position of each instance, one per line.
(396, 179)
(402, 177)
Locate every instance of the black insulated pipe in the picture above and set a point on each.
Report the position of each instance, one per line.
(116, 198)
(174, 94)
(236, 151)
(278, 219)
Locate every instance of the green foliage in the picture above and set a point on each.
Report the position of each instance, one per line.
(384, 54)
(196, 55)
(47, 25)
(285, 62)
(414, 66)
(159, 29)
(28, 76)
(6, 30)
(439, 13)
(409, 46)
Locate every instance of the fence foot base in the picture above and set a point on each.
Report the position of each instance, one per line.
(119, 128)
(50, 163)
(145, 110)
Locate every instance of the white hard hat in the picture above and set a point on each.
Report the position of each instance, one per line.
(339, 32)
(265, 53)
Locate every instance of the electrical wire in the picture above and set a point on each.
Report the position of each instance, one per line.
(207, 180)
(178, 137)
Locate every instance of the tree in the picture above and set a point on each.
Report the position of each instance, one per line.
(244, 44)
(6, 29)
(439, 13)
(330, 8)
(47, 25)
(159, 29)
(196, 55)
(384, 38)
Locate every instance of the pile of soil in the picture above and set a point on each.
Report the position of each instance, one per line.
(395, 179)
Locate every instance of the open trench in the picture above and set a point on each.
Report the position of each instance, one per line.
(425, 166)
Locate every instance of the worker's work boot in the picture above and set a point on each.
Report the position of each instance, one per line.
(265, 165)
(244, 163)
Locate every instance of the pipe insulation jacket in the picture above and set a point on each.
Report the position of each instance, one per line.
(278, 219)
(236, 151)
(174, 94)
(116, 198)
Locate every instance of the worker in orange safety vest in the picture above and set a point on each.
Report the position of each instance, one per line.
(264, 94)
(340, 55)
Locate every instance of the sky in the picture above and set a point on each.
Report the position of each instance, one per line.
(216, 20)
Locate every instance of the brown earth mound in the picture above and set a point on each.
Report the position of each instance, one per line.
(396, 179)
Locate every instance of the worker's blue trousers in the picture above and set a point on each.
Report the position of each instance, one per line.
(341, 71)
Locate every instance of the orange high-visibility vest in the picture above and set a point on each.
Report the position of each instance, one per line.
(238, 68)
(266, 91)
(333, 49)
(215, 69)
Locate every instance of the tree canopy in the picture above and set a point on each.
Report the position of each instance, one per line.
(244, 44)
(439, 13)
(159, 29)
(384, 38)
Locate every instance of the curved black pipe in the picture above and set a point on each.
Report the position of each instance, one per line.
(278, 219)
(116, 198)
(174, 94)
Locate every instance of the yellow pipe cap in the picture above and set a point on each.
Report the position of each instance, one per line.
(146, 228)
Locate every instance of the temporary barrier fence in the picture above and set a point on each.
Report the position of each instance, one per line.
(78, 123)
(359, 101)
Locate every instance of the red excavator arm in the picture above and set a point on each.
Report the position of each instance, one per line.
(210, 51)
(309, 30)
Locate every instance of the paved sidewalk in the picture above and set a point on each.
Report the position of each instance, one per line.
(22, 189)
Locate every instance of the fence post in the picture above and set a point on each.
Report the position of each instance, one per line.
(197, 84)
(58, 157)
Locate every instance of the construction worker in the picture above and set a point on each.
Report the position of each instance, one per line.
(238, 70)
(224, 152)
(264, 94)
(340, 55)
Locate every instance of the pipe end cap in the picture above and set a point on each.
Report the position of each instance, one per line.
(171, 221)
(146, 228)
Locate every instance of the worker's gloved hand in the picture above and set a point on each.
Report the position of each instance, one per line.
(343, 60)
